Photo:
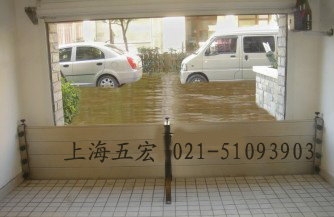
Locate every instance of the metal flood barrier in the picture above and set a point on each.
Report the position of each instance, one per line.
(169, 151)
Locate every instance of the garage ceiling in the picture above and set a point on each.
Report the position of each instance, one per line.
(69, 10)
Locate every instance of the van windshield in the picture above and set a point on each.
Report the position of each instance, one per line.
(203, 46)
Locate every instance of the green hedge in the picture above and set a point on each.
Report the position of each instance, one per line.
(155, 62)
(71, 98)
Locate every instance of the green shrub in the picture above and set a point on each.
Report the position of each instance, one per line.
(273, 59)
(155, 62)
(71, 98)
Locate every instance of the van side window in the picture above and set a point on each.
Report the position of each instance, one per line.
(226, 45)
(254, 44)
(65, 54)
(89, 53)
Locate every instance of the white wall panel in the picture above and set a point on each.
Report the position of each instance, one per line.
(10, 165)
(327, 89)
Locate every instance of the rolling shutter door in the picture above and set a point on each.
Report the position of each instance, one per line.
(70, 10)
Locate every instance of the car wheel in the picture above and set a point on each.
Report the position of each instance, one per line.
(107, 81)
(197, 78)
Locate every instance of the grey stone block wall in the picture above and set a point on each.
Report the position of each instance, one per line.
(55, 76)
(282, 57)
(270, 92)
(266, 93)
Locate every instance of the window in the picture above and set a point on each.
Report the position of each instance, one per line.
(65, 54)
(255, 44)
(222, 46)
(89, 53)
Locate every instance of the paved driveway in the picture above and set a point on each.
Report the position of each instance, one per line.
(159, 95)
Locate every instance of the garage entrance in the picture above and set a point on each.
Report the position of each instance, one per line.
(161, 74)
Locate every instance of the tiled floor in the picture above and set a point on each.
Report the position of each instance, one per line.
(303, 196)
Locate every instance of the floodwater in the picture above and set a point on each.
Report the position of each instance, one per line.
(157, 96)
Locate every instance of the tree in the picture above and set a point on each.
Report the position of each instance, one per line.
(124, 23)
(111, 33)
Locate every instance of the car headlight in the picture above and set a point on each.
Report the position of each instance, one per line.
(184, 67)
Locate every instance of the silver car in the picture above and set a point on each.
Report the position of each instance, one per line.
(98, 64)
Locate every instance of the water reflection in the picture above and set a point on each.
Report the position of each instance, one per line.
(159, 95)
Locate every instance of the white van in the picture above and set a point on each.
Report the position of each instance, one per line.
(229, 56)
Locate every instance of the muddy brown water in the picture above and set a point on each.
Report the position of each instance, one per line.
(159, 95)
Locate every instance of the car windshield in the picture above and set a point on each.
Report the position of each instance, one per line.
(115, 49)
(203, 46)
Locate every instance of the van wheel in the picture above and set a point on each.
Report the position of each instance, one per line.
(197, 78)
(107, 81)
